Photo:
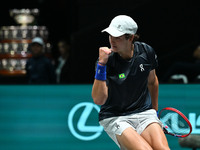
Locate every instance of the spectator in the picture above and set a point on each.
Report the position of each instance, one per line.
(63, 62)
(188, 70)
(39, 68)
(196, 54)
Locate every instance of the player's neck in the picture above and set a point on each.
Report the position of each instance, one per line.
(128, 53)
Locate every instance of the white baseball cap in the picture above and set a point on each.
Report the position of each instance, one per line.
(38, 40)
(121, 25)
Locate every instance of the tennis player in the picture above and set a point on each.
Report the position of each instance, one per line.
(126, 87)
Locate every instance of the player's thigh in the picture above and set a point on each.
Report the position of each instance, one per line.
(131, 140)
(155, 136)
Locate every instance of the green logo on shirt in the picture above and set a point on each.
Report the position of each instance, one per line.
(122, 75)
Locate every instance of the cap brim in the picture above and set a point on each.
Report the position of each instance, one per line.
(113, 32)
(37, 43)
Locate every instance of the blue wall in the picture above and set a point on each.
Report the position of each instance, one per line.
(65, 117)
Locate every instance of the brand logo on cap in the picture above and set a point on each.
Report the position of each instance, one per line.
(119, 26)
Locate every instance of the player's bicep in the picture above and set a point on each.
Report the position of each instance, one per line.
(152, 77)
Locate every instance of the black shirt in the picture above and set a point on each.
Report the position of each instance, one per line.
(127, 82)
(65, 74)
(40, 70)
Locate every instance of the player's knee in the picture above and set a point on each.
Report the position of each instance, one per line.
(161, 147)
(133, 147)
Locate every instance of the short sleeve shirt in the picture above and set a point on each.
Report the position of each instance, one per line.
(127, 82)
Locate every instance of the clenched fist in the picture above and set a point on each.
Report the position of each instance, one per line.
(104, 53)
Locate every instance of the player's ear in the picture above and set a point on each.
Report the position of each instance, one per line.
(131, 38)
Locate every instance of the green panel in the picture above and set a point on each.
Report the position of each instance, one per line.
(185, 98)
(44, 117)
(36, 118)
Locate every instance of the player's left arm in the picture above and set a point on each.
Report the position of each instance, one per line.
(153, 85)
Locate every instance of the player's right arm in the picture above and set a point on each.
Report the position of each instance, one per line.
(100, 89)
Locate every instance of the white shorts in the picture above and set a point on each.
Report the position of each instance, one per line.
(137, 121)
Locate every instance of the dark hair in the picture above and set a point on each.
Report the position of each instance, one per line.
(136, 37)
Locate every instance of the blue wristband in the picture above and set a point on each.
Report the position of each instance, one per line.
(157, 113)
(100, 73)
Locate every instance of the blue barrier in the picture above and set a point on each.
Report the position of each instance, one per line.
(65, 118)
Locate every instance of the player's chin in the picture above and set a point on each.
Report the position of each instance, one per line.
(114, 50)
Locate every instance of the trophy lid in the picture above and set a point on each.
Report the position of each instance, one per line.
(24, 16)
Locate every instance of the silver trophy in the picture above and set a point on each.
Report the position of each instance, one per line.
(24, 16)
